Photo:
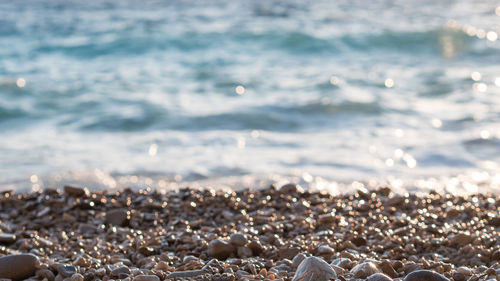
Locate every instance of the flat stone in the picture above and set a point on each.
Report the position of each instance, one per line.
(425, 275)
(378, 277)
(118, 217)
(363, 270)
(313, 268)
(220, 249)
(18, 267)
(238, 239)
(7, 238)
(75, 191)
(146, 278)
(464, 270)
(185, 274)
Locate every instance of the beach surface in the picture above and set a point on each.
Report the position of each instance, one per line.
(277, 233)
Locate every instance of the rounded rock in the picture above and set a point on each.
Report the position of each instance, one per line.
(238, 239)
(313, 268)
(120, 270)
(364, 270)
(378, 277)
(220, 249)
(117, 217)
(18, 267)
(425, 275)
(66, 270)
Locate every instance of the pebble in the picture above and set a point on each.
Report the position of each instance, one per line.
(364, 270)
(461, 239)
(18, 267)
(313, 268)
(77, 277)
(238, 239)
(146, 278)
(220, 249)
(119, 271)
(378, 277)
(7, 238)
(325, 250)
(45, 273)
(118, 217)
(387, 268)
(288, 252)
(298, 259)
(425, 275)
(464, 270)
(244, 252)
(326, 218)
(457, 276)
(75, 191)
(344, 263)
(66, 270)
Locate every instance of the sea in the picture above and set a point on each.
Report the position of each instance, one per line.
(332, 95)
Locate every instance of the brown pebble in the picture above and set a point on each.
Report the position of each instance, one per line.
(461, 239)
(256, 247)
(146, 278)
(220, 249)
(118, 217)
(66, 270)
(244, 252)
(75, 191)
(457, 276)
(288, 253)
(45, 273)
(425, 275)
(18, 267)
(387, 268)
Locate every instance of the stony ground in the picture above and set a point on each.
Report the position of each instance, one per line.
(249, 235)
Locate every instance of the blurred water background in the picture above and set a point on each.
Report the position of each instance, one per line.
(331, 94)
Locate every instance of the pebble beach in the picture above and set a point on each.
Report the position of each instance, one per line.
(277, 233)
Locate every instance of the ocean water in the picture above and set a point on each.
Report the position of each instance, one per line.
(331, 94)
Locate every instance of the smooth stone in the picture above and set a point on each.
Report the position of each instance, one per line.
(120, 270)
(45, 273)
(464, 270)
(457, 276)
(325, 250)
(66, 270)
(244, 252)
(75, 191)
(326, 218)
(18, 267)
(364, 270)
(76, 277)
(118, 217)
(220, 249)
(146, 278)
(288, 253)
(186, 274)
(238, 239)
(387, 268)
(7, 238)
(289, 188)
(256, 247)
(425, 275)
(461, 239)
(298, 259)
(378, 277)
(313, 268)
(344, 263)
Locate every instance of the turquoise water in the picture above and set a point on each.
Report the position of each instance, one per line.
(158, 93)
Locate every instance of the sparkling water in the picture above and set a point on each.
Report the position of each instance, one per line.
(243, 93)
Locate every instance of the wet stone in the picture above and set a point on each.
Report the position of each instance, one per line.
(298, 259)
(18, 267)
(425, 275)
(325, 250)
(313, 268)
(345, 263)
(457, 276)
(220, 249)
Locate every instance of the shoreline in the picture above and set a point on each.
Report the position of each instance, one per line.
(195, 234)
